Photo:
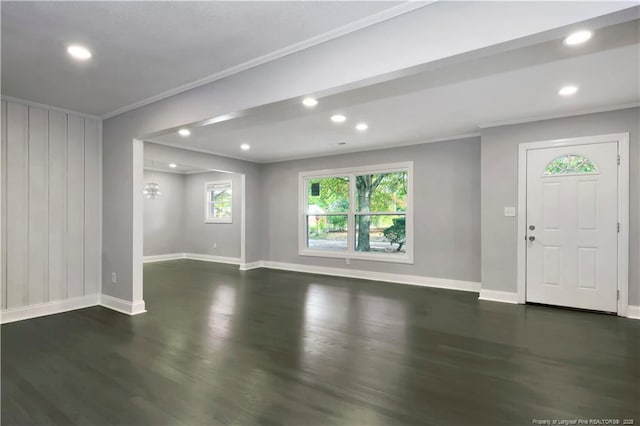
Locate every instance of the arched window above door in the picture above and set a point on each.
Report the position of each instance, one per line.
(570, 164)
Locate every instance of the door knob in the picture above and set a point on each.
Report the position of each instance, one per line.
(532, 238)
(532, 227)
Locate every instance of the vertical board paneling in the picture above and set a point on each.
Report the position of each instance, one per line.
(3, 177)
(92, 206)
(75, 206)
(57, 205)
(38, 207)
(51, 205)
(17, 209)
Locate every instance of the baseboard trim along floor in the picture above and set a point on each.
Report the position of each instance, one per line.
(60, 306)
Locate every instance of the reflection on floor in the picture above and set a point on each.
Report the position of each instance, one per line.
(219, 346)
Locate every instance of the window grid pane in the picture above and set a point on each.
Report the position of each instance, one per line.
(381, 233)
(382, 192)
(327, 232)
(328, 195)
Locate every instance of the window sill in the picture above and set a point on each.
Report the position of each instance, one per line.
(218, 221)
(390, 258)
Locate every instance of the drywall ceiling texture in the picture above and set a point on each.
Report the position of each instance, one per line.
(169, 44)
(500, 189)
(163, 216)
(444, 102)
(339, 62)
(446, 208)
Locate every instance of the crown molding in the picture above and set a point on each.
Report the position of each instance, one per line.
(48, 107)
(532, 119)
(376, 18)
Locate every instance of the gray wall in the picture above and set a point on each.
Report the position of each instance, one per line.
(51, 205)
(500, 188)
(200, 236)
(446, 200)
(163, 216)
(318, 70)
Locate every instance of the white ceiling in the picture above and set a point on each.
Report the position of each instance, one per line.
(142, 49)
(444, 102)
(162, 166)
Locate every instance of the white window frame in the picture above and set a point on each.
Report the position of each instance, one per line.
(351, 173)
(207, 218)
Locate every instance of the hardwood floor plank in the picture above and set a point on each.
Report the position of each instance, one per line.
(220, 346)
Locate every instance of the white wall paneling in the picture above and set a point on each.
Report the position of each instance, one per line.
(51, 206)
(38, 206)
(3, 207)
(75, 206)
(17, 208)
(92, 210)
(57, 205)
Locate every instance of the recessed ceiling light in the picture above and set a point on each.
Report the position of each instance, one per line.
(309, 102)
(184, 132)
(578, 37)
(568, 90)
(338, 118)
(173, 165)
(245, 147)
(361, 127)
(79, 52)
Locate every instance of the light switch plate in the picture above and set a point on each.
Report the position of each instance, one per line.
(510, 211)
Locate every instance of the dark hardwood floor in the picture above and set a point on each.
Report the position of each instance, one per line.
(219, 346)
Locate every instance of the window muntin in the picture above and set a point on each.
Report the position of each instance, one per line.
(570, 164)
(218, 202)
(360, 213)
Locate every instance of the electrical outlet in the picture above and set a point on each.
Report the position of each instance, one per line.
(510, 211)
(114, 278)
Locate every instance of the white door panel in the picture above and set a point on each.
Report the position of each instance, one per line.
(572, 207)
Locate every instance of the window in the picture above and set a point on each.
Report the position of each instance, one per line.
(218, 199)
(359, 213)
(570, 165)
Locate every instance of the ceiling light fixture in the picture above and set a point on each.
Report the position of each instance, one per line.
(173, 165)
(79, 52)
(361, 127)
(309, 102)
(152, 191)
(338, 118)
(578, 37)
(245, 147)
(184, 132)
(568, 90)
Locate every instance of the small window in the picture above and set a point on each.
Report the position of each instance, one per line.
(571, 164)
(218, 200)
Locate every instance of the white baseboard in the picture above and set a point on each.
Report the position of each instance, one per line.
(252, 265)
(163, 257)
(121, 305)
(633, 312)
(498, 296)
(375, 276)
(212, 258)
(49, 308)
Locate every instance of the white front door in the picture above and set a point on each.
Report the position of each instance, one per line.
(572, 226)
